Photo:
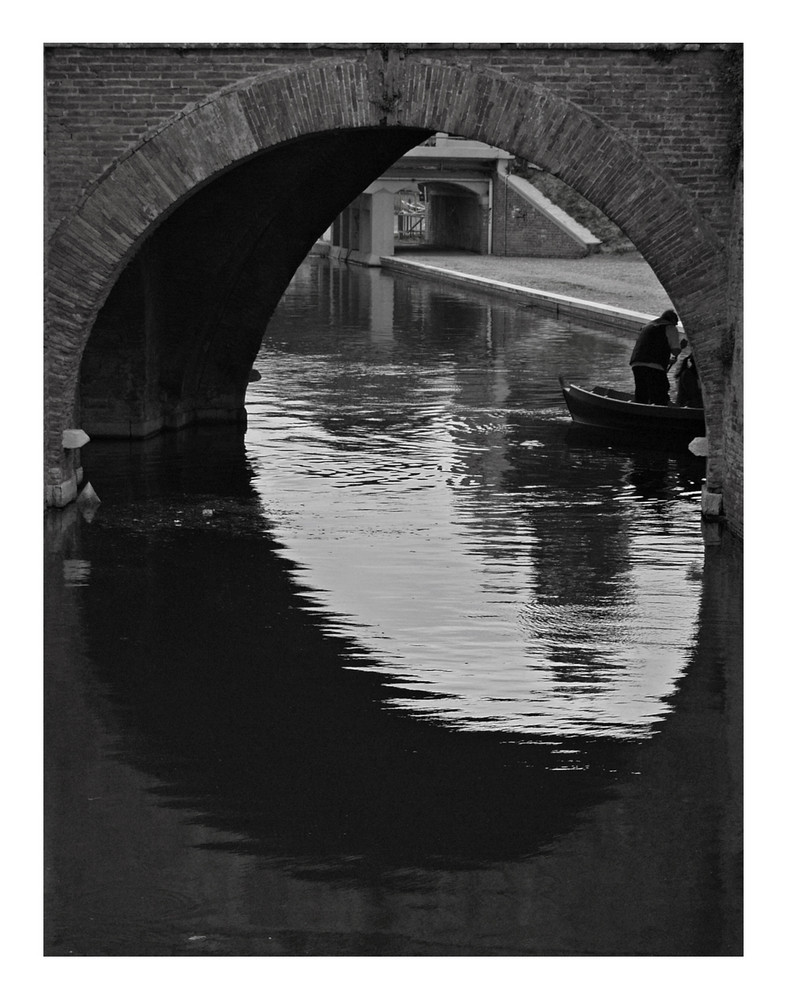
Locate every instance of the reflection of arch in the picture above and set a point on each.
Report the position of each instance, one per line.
(94, 244)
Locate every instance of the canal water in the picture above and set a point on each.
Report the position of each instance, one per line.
(407, 668)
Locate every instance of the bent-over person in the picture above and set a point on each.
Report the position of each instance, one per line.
(658, 344)
(687, 379)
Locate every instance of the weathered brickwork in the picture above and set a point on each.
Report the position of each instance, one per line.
(645, 133)
(520, 230)
(731, 475)
(102, 100)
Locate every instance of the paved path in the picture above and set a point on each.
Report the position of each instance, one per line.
(624, 280)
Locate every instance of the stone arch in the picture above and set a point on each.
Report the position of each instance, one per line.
(178, 334)
(90, 248)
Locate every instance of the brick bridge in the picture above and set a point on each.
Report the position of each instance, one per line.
(185, 183)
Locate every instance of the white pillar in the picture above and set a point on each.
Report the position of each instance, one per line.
(376, 235)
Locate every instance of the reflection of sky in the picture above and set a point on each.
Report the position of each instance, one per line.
(390, 502)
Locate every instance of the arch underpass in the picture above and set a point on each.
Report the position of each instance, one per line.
(456, 216)
(162, 274)
(178, 334)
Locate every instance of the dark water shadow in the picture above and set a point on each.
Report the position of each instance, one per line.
(217, 677)
(223, 682)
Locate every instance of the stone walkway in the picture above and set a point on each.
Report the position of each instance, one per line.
(621, 280)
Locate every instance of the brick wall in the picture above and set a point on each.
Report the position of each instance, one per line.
(520, 230)
(732, 474)
(671, 103)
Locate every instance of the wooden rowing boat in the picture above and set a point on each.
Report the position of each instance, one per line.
(611, 410)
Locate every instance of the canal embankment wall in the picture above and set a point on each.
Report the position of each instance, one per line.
(619, 289)
(490, 275)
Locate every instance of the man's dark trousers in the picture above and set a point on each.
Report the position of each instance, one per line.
(650, 385)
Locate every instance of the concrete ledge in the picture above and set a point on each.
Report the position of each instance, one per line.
(621, 319)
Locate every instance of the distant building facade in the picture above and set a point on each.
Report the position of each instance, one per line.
(451, 193)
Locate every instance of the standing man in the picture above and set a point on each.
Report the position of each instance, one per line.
(657, 346)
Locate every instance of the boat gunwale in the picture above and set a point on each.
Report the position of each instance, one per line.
(599, 413)
(647, 410)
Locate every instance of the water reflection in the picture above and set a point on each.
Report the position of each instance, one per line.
(406, 671)
(426, 484)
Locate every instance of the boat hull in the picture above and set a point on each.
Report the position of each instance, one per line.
(612, 411)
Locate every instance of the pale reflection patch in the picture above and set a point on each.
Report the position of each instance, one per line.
(497, 571)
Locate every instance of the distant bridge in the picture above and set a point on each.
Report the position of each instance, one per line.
(471, 203)
(185, 183)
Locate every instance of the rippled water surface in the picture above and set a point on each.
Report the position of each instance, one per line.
(408, 669)
(414, 461)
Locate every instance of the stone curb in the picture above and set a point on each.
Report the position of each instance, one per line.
(612, 316)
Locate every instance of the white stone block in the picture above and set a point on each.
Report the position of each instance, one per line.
(699, 447)
(74, 438)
